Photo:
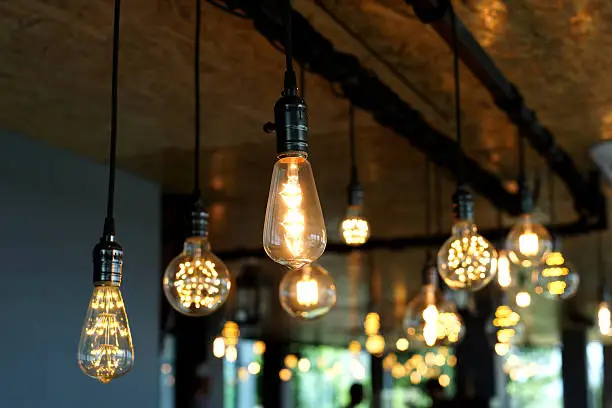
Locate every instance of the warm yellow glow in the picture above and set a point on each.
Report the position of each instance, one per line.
(398, 370)
(197, 284)
(105, 348)
(449, 327)
(307, 290)
(231, 333)
(285, 374)
(402, 344)
(231, 354)
(415, 377)
(389, 361)
(291, 361)
(219, 347)
(529, 243)
(430, 329)
(556, 287)
(293, 221)
(304, 365)
(523, 299)
(254, 368)
(604, 319)
(504, 278)
(355, 230)
(243, 374)
(440, 360)
(452, 361)
(470, 258)
(444, 380)
(259, 347)
(354, 347)
(502, 349)
(555, 259)
(375, 344)
(505, 317)
(372, 324)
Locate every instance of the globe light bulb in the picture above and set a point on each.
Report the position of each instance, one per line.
(467, 260)
(105, 349)
(604, 319)
(307, 293)
(523, 299)
(196, 283)
(528, 242)
(294, 232)
(355, 228)
(375, 344)
(504, 329)
(504, 277)
(556, 278)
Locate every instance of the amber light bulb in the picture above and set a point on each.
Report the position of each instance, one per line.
(556, 277)
(505, 329)
(355, 228)
(294, 229)
(504, 272)
(307, 293)
(528, 242)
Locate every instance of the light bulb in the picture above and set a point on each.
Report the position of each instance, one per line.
(355, 228)
(523, 299)
(308, 292)
(556, 277)
(504, 330)
(371, 324)
(196, 283)
(294, 230)
(504, 277)
(354, 347)
(231, 333)
(219, 347)
(402, 344)
(291, 361)
(528, 242)
(432, 320)
(105, 348)
(604, 319)
(467, 260)
(375, 344)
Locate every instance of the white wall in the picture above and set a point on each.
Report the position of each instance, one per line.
(52, 207)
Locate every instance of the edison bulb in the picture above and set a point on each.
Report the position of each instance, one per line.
(307, 293)
(604, 319)
(556, 277)
(528, 242)
(504, 277)
(504, 330)
(196, 283)
(431, 320)
(294, 232)
(105, 350)
(355, 228)
(467, 260)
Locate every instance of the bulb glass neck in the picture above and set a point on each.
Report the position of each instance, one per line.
(464, 228)
(292, 154)
(356, 194)
(196, 246)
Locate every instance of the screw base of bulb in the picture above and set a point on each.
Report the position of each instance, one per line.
(291, 122)
(356, 194)
(463, 204)
(526, 197)
(107, 262)
(199, 220)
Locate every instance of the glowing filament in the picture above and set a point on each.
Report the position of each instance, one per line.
(372, 324)
(197, 284)
(556, 287)
(293, 221)
(529, 243)
(355, 231)
(523, 299)
(469, 258)
(604, 319)
(430, 330)
(307, 292)
(503, 271)
(219, 347)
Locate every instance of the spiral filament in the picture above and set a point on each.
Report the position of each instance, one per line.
(293, 222)
(197, 284)
(430, 330)
(529, 243)
(105, 348)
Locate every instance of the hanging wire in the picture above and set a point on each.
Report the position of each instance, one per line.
(601, 261)
(460, 170)
(438, 198)
(551, 198)
(302, 85)
(428, 204)
(290, 81)
(196, 78)
(521, 157)
(109, 223)
(353, 170)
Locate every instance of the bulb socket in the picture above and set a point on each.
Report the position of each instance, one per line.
(356, 194)
(429, 275)
(525, 196)
(463, 204)
(291, 122)
(199, 220)
(107, 262)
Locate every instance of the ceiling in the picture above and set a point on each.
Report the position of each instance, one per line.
(55, 81)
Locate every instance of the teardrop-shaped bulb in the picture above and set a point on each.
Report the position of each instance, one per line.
(105, 350)
(294, 229)
(196, 283)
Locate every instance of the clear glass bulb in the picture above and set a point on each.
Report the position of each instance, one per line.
(431, 320)
(105, 350)
(467, 260)
(504, 330)
(308, 292)
(523, 298)
(294, 229)
(556, 278)
(504, 276)
(604, 319)
(355, 228)
(528, 242)
(196, 283)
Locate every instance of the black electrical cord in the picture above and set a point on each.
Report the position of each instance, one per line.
(290, 80)
(601, 261)
(302, 85)
(353, 171)
(521, 158)
(196, 77)
(438, 198)
(109, 223)
(460, 170)
(428, 200)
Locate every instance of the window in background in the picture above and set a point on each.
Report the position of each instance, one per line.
(595, 361)
(241, 377)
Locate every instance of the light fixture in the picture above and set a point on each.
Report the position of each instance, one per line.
(505, 328)
(196, 282)
(355, 228)
(528, 241)
(522, 298)
(555, 277)
(308, 292)
(294, 232)
(504, 274)
(466, 260)
(105, 350)
(430, 319)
